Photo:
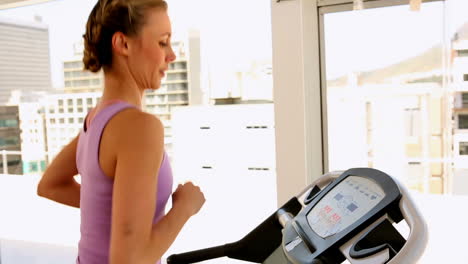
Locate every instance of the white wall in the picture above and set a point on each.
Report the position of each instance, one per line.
(229, 151)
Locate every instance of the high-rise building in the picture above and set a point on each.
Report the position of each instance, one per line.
(25, 63)
(174, 90)
(76, 79)
(180, 87)
(10, 140)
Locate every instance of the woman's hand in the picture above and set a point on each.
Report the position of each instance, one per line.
(189, 198)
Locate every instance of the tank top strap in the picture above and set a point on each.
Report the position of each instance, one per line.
(95, 130)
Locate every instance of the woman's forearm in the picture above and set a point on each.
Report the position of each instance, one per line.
(164, 234)
(68, 194)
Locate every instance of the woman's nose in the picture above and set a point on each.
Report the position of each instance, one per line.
(171, 56)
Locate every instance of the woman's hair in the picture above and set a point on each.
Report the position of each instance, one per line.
(108, 17)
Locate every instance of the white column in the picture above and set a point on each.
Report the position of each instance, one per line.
(296, 95)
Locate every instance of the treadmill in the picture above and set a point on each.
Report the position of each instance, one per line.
(343, 217)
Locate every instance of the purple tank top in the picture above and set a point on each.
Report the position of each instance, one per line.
(96, 190)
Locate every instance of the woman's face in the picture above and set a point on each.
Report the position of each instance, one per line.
(150, 52)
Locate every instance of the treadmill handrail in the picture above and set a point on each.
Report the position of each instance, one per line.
(418, 236)
(198, 255)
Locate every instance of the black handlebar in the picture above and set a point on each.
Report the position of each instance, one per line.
(197, 255)
(255, 247)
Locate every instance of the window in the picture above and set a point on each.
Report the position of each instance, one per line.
(412, 122)
(81, 83)
(465, 100)
(9, 123)
(463, 121)
(176, 76)
(463, 146)
(357, 74)
(226, 50)
(33, 167)
(354, 73)
(462, 53)
(9, 141)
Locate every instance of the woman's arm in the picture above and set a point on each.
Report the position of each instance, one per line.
(134, 238)
(58, 182)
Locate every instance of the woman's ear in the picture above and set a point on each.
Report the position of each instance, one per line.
(120, 43)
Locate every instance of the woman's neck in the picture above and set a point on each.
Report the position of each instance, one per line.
(124, 89)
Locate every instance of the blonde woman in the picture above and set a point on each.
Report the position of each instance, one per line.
(126, 179)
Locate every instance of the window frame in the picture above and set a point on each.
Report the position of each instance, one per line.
(299, 93)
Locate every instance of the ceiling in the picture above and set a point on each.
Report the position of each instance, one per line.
(5, 4)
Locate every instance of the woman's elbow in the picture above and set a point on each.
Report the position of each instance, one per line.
(41, 189)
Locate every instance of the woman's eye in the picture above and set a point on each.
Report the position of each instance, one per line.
(162, 44)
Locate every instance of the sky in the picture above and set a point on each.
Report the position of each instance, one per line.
(374, 38)
(233, 33)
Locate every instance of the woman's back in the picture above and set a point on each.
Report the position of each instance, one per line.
(97, 186)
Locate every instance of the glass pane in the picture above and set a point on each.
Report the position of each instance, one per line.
(463, 148)
(462, 121)
(397, 101)
(216, 63)
(386, 96)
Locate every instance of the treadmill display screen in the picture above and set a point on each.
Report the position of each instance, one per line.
(344, 204)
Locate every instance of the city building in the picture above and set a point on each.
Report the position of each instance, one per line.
(64, 117)
(76, 79)
(180, 87)
(10, 140)
(460, 111)
(395, 128)
(33, 140)
(25, 63)
(249, 84)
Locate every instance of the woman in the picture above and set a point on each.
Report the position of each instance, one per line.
(125, 173)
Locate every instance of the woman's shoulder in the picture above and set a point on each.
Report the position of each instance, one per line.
(134, 116)
(136, 124)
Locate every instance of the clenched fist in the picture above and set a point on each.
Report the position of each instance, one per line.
(189, 198)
